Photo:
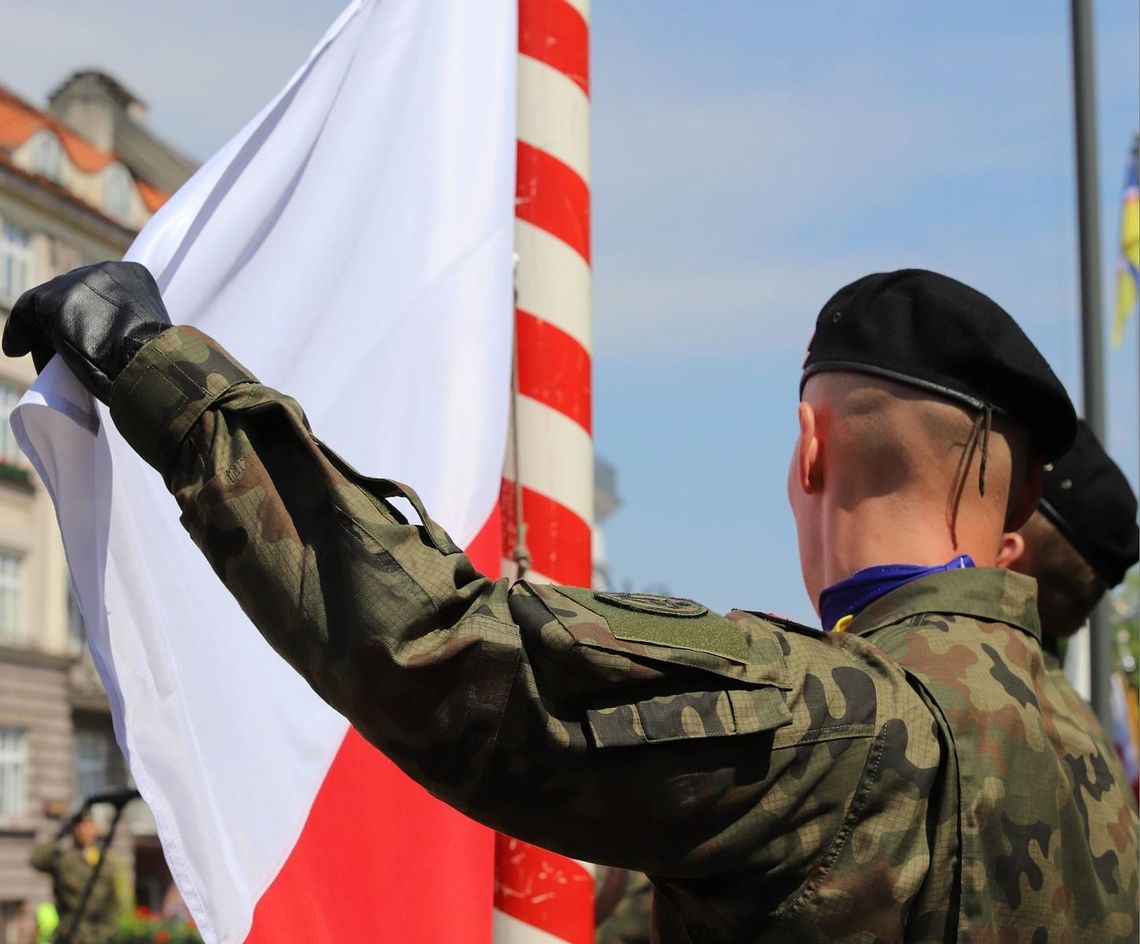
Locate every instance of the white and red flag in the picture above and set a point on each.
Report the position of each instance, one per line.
(353, 247)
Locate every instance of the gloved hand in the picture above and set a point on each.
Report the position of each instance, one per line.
(96, 318)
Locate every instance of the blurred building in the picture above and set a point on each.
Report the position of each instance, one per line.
(77, 181)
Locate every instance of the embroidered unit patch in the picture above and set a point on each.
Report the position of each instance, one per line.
(648, 603)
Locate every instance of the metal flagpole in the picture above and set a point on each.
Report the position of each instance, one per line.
(1092, 331)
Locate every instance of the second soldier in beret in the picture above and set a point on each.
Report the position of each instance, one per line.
(1078, 545)
(1082, 539)
(902, 777)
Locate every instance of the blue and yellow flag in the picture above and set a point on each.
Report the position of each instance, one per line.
(1128, 262)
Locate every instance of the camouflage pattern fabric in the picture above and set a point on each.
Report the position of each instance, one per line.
(907, 779)
(1047, 827)
(70, 871)
(1077, 714)
(630, 921)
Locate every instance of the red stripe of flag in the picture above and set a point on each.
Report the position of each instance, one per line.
(554, 33)
(556, 370)
(558, 540)
(399, 867)
(552, 196)
(361, 870)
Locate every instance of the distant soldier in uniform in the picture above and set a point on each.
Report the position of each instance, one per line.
(1078, 545)
(623, 906)
(71, 862)
(898, 778)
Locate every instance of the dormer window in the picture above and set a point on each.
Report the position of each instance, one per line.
(118, 188)
(47, 156)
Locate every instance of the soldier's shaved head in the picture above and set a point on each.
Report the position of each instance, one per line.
(884, 472)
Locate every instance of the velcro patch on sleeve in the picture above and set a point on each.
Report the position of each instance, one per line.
(664, 621)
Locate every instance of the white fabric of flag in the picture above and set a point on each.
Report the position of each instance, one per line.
(352, 247)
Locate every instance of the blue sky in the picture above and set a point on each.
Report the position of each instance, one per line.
(748, 159)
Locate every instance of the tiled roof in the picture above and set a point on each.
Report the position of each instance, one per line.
(152, 197)
(19, 121)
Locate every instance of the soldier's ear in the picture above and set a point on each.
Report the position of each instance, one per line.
(809, 468)
(1011, 551)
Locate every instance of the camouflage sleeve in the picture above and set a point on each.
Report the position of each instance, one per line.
(643, 732)
(45, 856)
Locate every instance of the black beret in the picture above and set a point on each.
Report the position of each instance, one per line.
(930, 331)
(1090, 501)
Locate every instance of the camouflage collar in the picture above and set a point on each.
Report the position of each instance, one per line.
(984, 593)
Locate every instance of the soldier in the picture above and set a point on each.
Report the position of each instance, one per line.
(1078, 545)
(83, 917)
(623, 907)
(1081, 540)
(901, 777)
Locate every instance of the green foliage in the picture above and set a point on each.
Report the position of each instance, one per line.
(142, 927)
(13, 472)
(1124, 618)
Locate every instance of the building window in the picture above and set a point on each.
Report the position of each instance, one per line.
(15, 259)
(118, 188)
(64, 256)
(92, 764)
(47, 156)
(9, 452)
(11, 598)
(13, 771)
(16, 922)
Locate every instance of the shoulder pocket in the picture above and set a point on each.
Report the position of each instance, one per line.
(689, 715)
(658, 637)
(671, 630)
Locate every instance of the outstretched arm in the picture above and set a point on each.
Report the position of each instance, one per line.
(547, 712)
(642, 732)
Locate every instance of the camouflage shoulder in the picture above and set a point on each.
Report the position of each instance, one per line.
(673, 629)
(781, 623)
(668, 660)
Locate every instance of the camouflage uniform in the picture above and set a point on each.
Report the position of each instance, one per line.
(70, 872)
(906, 779)
(631, 917)
(1077, 713)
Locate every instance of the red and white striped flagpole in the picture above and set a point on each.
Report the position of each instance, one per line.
(548, 487)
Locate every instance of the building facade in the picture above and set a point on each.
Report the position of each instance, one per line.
(77, 181)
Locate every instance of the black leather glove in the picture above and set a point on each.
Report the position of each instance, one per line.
(96, 318)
